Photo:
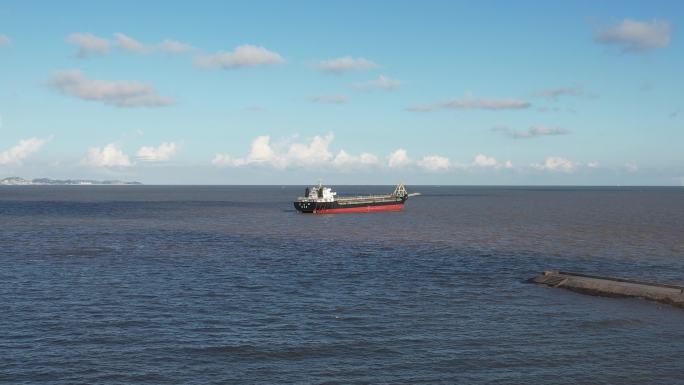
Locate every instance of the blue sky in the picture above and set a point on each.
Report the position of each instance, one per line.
(434, 92)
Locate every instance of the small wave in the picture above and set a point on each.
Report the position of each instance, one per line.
(611, 323)
(252, 352)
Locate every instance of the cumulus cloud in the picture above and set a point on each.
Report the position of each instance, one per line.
(88, 44)
(312, 153)
(482, 160)
(532, 132)
(107, 156)
(399, 158)
(315, 152)
(469, 103)
(129, 44)
(344, 160)
(122, 93)
(381, 83)
(336, 99)
(556, 164)
(175, 47)
(15, 155)
(5, 41)
(435, 163)
(242, 56)
(346, 64)
(157, 154)
(636, 36)
(262, 152)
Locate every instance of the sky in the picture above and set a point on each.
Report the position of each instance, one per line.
(349, 92)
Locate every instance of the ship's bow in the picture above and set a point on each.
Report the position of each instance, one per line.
(305, 207)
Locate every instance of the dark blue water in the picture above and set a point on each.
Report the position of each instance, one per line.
(229, 285)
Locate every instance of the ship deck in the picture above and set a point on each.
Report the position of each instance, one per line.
(360, 199)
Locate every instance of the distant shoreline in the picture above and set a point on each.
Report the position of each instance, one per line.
(17, 181)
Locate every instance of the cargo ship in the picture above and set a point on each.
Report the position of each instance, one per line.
(322, 200)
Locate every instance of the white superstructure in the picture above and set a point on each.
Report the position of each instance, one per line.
(320, 194)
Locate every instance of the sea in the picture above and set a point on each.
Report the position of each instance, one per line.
(230, 285)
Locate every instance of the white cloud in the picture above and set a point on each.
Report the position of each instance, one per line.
(315, 152)
(168, 46)
(532, 132)
(175, 47)
(5, 41)
(482, 160)
(554, 93)
(337, 99)
(122, 93)
(346, 64)
(468, 103)
(399, 158)
(312, 153)
(636, 36)
(486, 104)
(555, 164)
(88, 44)
(261, 152)
(345, 160)
(223, 160)
(631, 167)
(129, 44)
(164, 152)
(25, 147)
(381, 83)
(435, 163)
(593, 164)
(107, 156)
(242, 56)
(422, 107)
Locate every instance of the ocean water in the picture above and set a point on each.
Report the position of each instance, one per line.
(229, 285)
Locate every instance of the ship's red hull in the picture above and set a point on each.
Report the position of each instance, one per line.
(361, 209)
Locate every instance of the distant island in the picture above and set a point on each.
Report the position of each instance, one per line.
(17, 181)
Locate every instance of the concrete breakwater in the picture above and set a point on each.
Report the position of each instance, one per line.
(613, 287)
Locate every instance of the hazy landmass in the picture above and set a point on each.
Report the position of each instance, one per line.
(15, 180)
